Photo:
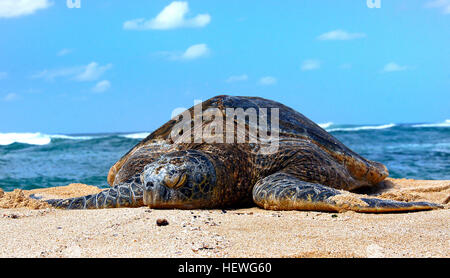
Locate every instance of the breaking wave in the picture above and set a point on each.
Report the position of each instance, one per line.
(446, 123)
(24, 138)
(36, 138)
(361, 128)
(140, 135)
(326, 125)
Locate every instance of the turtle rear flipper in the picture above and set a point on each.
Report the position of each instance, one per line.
(281, 191)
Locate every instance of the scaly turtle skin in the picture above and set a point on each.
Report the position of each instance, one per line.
(310, 170)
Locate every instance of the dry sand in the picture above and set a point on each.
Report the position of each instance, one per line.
(30, 229)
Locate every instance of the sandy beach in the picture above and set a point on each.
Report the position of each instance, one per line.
(29, 228)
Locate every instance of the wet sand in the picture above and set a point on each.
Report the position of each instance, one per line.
(28, 230)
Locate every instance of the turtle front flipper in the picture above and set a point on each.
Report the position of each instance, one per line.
(129, 194)
(281, 191)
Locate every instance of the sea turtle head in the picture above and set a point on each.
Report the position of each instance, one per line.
(182, 179)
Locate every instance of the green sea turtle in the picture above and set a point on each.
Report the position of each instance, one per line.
(308, 170)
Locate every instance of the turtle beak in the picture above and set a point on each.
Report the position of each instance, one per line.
(155, 194)
(147, 197)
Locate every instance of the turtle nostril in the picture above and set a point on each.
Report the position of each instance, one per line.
(149, 184)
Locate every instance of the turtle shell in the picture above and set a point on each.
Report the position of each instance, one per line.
(292, 126)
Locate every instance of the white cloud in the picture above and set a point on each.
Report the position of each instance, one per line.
(191, 53)
(102, 86)
(50, 75)
(268, 80)
(3, 75)
(64, 52)
(310, 65)
(440, 4)
(90, 72)
(11, 97)
(340, 35)
(171, 17)
(16, 8)
(236, 78)
(195, 51)
(390, 67)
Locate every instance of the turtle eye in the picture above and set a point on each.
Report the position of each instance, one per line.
(182, 180)
(171, 180)
(176, 180)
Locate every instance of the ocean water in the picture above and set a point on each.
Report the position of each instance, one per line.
(35, 160)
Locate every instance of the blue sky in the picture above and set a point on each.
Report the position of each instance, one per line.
(126, 65)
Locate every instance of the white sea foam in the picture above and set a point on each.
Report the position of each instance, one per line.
(140, 135)
(57, 136)
(362, 128)
(36, 138)
(326, 125)
(446, 123)
(25, 138)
